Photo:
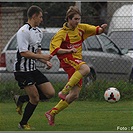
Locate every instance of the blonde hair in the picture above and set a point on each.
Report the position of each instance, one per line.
(71, 12)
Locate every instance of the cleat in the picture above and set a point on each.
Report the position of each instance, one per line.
(25, 127)
(18, 103)
(19, 109)
(62, 96)
(50, 118)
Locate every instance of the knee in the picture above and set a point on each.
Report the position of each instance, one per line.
(84, 69)
(50, 95)
(34, 99)
(87, 70)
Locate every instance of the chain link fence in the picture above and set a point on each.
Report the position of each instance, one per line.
(113, 65)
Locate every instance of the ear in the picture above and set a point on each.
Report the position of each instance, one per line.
(34, 16)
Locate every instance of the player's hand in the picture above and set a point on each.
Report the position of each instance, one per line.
(47, 57)
(49, 65)
(73, 50)
(104, 26)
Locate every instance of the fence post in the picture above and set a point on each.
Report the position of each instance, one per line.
(78, 4)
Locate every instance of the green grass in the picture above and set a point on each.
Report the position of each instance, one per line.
(79, 116)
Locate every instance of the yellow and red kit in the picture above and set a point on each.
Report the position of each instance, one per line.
(67, 38)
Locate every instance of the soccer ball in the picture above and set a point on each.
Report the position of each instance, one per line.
(112, 95)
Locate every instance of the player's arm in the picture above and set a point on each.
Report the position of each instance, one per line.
(23, 43)
(90, 30)
(55, 45)
(42, 60)
(31, 55)
(48, 63)
(65, 51)
(59, 50)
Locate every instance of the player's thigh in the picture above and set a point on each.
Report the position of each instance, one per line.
(47, 89)
(32, 92)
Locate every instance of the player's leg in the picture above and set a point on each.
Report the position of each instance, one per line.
(21, 99)
(26, 81)
(49, 92)
(62, 104)
(74, 79)
(32, 92)
(46, 90)
(73, 94)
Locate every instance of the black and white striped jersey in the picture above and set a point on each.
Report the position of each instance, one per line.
(28, 39)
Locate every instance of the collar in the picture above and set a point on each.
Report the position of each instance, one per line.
(65, 27)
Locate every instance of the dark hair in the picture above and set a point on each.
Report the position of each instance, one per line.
(33, 10)
(71, 12)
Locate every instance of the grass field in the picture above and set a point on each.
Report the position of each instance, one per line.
(79, 116)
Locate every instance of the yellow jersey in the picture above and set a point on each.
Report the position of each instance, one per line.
(67, 38)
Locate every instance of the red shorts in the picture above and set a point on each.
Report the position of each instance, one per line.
(70, 65)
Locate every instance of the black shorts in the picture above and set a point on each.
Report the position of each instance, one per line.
(30, 78)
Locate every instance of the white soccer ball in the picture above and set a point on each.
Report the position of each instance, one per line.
(112, 95)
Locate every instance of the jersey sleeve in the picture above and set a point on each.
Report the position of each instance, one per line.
(55, 43)
(22, 40)
(89, 30)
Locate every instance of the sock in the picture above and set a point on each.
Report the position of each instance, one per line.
(22, 99)
(59, 107)
(72, 81)
(29, 109)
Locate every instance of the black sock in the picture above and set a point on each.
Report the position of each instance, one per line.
(29, 109)
(23, 99)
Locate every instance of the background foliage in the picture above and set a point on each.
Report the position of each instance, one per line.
(92, 92)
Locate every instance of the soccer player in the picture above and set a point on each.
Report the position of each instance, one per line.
(29, 38)
(67, 45)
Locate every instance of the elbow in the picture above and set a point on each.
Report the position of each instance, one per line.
(24, 54)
